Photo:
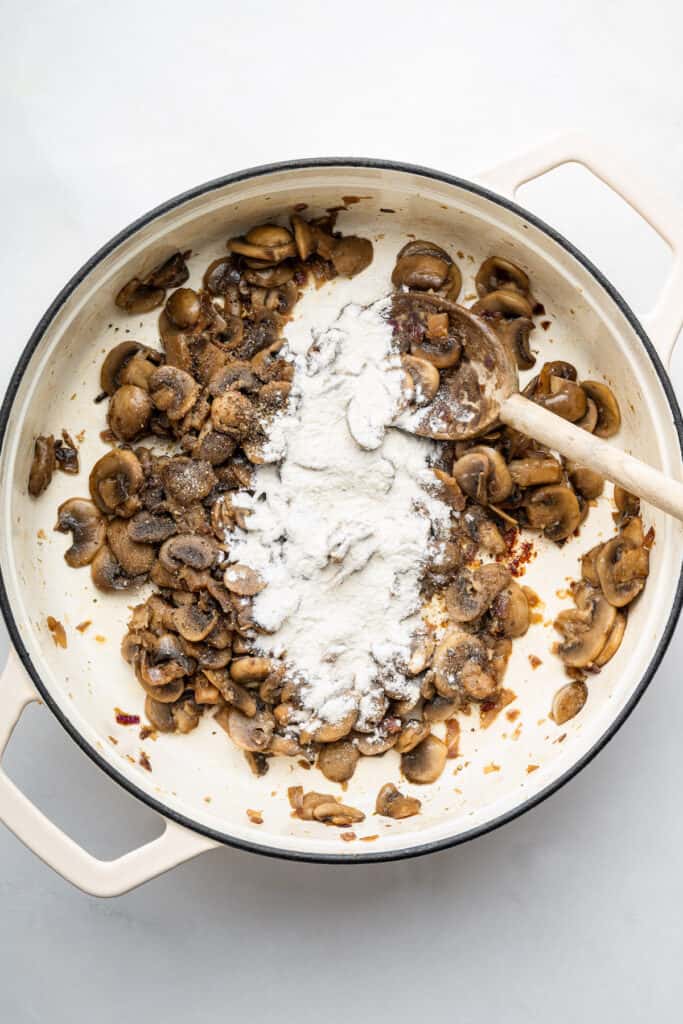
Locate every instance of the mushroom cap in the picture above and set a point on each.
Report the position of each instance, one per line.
(586, 627)
(555, 510)
(183, 307)
(173, 391)
(421, 269)
(108, 574)
(42, 466)
(187, 480)
(483, 475)
(197, 552)
(114, 479)
(337, 761)
(497, 273)
(80, 517)
(425, 762)
(568, 701)
(504, 303)
(510, 611)
(609, 415)
(534, 470)
(130, 408)
(148, 528)
(391, 803)
(351, 255)
(159, 714)
(622, 566)
(133, 557)
(247, 733)
(473, 591)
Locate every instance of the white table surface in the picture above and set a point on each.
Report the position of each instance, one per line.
(574, 911)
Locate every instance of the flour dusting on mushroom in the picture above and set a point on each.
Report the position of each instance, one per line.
(339, 529)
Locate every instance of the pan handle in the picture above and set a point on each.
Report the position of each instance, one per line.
(666, 317)
(95, 877)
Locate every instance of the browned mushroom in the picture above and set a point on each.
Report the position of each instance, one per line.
(565, 398)
(137, 296)
(183, 307)
(473, 591)
(130, 409)
(623, 564)
(247, 733)
(509, 611)
(337, 761)
(233, 413)
(421, 265)
(172, 272)
(240, 579)
(461, 665)
(115, 368)
(425, 762)
(133, 557)
(515, 334)
(568, 701)
(159, 714)
(115, 480)
(188, 549)
(173, 391)
(586, 627)
(108, 574)
(412, 733)
(483, 475)
(497, 273)
(268, 243)
(304, 237)
(221, 275)
(187, 480)
(609, 416)
(147, 528)
(587, 482)
(42, 466)
(505, 304)
(533, 470)
(628, 504)
(589, 420)
(391, 803)
(555, 510)
(424, 378)
(80, 518)
(351, 255)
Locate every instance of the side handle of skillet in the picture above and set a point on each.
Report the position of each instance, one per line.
(95, 877)
(664, 321)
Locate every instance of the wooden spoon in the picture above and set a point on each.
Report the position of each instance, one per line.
(482, 390)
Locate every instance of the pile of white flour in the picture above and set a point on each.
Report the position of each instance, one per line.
(339, 528)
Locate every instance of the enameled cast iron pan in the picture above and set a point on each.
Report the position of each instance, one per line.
(592, 327)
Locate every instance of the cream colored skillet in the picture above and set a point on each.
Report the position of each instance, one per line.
(199, 782)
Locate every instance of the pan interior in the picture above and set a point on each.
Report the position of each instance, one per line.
(202, 776)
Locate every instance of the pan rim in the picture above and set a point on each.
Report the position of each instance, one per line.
(159, 807)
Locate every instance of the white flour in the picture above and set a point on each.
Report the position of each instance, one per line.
(335, 529)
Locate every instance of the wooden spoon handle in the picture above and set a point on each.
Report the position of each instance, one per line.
(587, 450)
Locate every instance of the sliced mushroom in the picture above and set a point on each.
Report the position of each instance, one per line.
(147, 528)
(173, 391)
(391, 803)
(483, 531)
(80, 518)
(496, 274)
(187, 480)
(510, 612)
(247, 733)
(622, 565)
(609, 416)
(589, 420)
(461, 665)
(351, 255)
(421, 265)
(42, 466)
(133, 557)
(137, 296)
(483, 475)
(424, 377)
(337, 761)
(586, 627)
(115, 480)
(587, 482)
(189, 549)
(568, 701)
(234, 414)
(159, 714)
(304, 237)
(221, 275)
(118, 359)
(425, 762)
(183, 308)
(441, 709)
(504, 304)
(613, 642)
(172, 272)
(250, 669)
(555, 510)
(107, 573)
(565, 398)
(240, 579)
(332, 812)
(515, 334)
(268, 243)
(628, 504)
(473, 591)
(412, 733)
(129, 413)
(589, 565)
(533, 470)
